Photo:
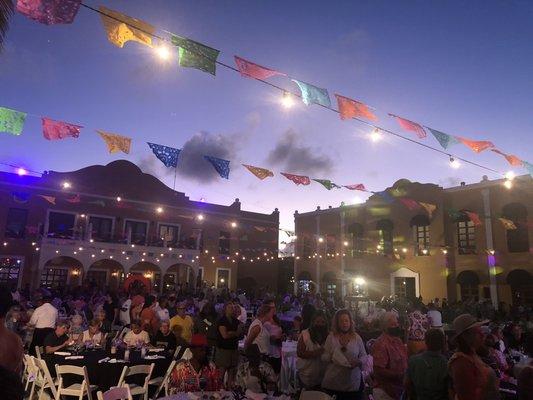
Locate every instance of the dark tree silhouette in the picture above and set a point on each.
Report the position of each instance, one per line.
(6, 10)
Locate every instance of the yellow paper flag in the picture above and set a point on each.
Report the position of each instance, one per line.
(261, 173)
(116, 143)
(430, 208)
(507, 224)
(121, 28)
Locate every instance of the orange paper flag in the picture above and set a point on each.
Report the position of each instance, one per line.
(261, 173)
(511, 159)
(477, 145)
(349, 108)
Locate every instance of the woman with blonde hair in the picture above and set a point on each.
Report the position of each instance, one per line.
(257, 333)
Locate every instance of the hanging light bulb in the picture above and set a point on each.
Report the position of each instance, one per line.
(508, 184)
(162, 52)
(376, 135)
(21, 172)
(510, 175)
(287, 101)
(454, 163)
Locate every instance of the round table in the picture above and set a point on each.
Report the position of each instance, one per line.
(105, 374)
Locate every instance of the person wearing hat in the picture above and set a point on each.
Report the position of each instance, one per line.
(198, 373)
(182, 324)
(472, 379)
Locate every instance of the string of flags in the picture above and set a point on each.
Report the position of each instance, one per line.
(121, 28)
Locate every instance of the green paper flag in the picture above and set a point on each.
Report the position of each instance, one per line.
(196, 55)
(327, 184)
(11, 121)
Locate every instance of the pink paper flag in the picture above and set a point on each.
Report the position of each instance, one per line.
(409, 203)
(54, 130)
(298, 179)
(357, 186)
(473, 217)
(49, 12)
(251, 70)
(50, 199)
(410, 126)
(75, 199)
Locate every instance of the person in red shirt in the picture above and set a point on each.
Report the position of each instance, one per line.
(390, 360)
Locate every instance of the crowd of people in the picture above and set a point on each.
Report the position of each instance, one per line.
(393, 349)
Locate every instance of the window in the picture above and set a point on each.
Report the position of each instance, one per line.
(223, 277)
(405, 287)
(196, 240)
(98, 278)
(137, 230)
(224, 243)
(385, 227)
(331, 289)
(16, 223)
(331, 244)
(469, 283)
(355, 232)
(306, 251)
(61, 225)
(101, 228)
(517, 239)
(10, 269)
(54, 278)
(466, 236)
(420, 226)
(169, 234)
(200, 277)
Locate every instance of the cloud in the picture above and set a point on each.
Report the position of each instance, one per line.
(290, 155)
(449, 181)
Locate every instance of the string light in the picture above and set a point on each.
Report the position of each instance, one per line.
(159, 210)
(320, 240)
(233, 224)
(454, 163)
(200, 217)
(163, 52)
(376, 135)
(119, 199)
(21, 171)
(66, 185)
(286, 100)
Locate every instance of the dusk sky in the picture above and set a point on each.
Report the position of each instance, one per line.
(461, 67)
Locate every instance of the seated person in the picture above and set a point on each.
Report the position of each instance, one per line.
(255, 375)
(92, 334)
(136, 336)
(198, 373)
(76, 327)
(165, 336)
(57, 339)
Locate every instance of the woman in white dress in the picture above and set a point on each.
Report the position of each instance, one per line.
(92, 334)
(309, 351)
(257, 333)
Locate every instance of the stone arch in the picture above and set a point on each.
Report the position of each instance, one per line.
(60, 271)
(517, 239)
(521, 283)
(105, 272)
(406, 282)
(469, 285)
(248, 284)
(178, 275)
(149, 270)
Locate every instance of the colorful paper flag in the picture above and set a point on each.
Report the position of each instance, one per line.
(251, 70)
(196, 55)
(220, 165)
(444, 139)
(349, 108)
(11, 121)
(261, 173)
(430, 208)
(167, 155)
(385, 196)
(297, 179)
(21, 197)
(410, 126)
(49, 12)
(507, 224)
(116, 143)
(121, 28)
(313, 94)
(50, 199)
(511, 159)
(476, 145)
(528, 166)
(74, 200)
(409, 203)
(473, 217)
(55, 130)
(327, 184)
(357, 186)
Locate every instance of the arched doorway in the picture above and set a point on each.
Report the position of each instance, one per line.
(521, 283)
(330, 284)
(248, 284)
(148, 270)
(517, 239)
(469, 285)
(178, 276)
(405, 283)
(304, 281)
(105, 273)
(59, 272)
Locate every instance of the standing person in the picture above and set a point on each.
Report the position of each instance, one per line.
(427, 372)
(273, 328)
(418, 325)
(257, 333)
(162, 310)
(44, 320)
(205, 323)
(472, 378)
(149, 318)
(344, 351)
(110, 308)
(434, 316)
(309, 350)
(229, 331)
(124, 314)
(390, 360)
(11, 350)
(255, 375)
(181, 324)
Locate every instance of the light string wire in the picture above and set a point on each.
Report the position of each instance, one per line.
(429, 147)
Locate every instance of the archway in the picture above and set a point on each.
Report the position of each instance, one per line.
(469, 284)
(248, 284)
(105, 273)
(148, 270)
(178, 276)
(61, 271)
(405, 283)
(517, 239)
(521, 283)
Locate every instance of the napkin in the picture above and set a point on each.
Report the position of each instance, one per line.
(62, 353)
(154, 357)
(74, 358)
(103, 360)
(156, 350)
(114, 361)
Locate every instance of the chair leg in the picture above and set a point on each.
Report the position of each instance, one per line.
(32, 390)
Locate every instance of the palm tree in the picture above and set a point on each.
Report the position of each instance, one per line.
(6, 10)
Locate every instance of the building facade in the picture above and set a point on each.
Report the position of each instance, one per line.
(422, 240)
(103, 224)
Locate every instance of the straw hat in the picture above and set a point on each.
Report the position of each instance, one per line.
(465, 322)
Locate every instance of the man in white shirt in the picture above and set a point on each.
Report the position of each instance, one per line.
(44, 320)
(124, 314)
(136, 336)
(434, 316)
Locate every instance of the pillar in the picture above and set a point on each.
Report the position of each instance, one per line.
(485, 194)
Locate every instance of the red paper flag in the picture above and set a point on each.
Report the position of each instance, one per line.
(349, 108)
(298, 179)
(54, 130)
(49, 12)
(357, 186)
(251, 70)
(410, 126)
(473, 217)
(409, 203)
(477, 145)
(511, 159)
(75, 199)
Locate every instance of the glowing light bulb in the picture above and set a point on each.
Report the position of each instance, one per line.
(234, 224)
(66, 185)
(21, 172)
(163, 52)
(159, 210)
(287, 101)
(508, 184)
(376, 135)
(119, 198)
(454, 163)
(200, 217)
(320, 240)
(510, 175)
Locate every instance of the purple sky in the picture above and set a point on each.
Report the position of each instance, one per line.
(451, 65)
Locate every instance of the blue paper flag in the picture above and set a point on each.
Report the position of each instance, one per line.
(21, 197)
(444, 139)
(221, 166)
(528, 166)
(385, 196)
(313, 94)
(167, 155)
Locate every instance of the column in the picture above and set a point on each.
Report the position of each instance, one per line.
(317, 281)
(485, 194)
(342, 251)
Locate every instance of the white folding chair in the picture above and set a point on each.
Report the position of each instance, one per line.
(39, 351)
(137, 370)
(76, 389)
(27, 370)
(45, 381)
(33, 375)
(314, 395)
(115, 393)
(162, 381)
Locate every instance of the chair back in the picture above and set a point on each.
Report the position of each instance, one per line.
(39, 351)
(164, 382)
(137, 370)
(176, 352)
(314, 395)
(46, 378)
(115, 393)
(85, 386)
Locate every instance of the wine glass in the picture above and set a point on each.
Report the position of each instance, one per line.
(203, 384)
